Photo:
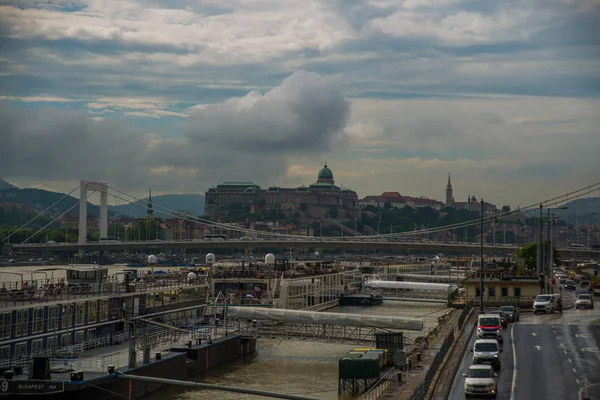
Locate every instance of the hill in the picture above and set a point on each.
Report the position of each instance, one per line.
(583, 206)
(6, 185)
(39, 199)
(178, 202)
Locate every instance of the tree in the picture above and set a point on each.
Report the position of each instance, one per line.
(505, 209)
(529, 254)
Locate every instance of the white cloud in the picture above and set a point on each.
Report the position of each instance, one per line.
(435, 87)
(242, 36)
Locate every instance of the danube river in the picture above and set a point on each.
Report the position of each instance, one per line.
(296, 367)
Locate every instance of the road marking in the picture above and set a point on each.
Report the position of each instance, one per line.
(514, 377)
(590, 349)
(571, 361)
(533, 334)
(574, 370)
(564, 351)
(583, 335)
(557, 338)
(577, 380)
(538, 347)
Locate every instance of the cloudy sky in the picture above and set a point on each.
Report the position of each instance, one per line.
(179, 95)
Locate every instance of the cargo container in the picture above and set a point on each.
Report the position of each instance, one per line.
(375, 356)
(358, 368)
(353, 355)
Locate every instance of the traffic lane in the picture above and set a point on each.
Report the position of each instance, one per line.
(580, 344)
(543, 369)
(504, 379)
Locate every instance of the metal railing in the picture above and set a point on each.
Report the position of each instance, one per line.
(72, 355)
(43, 292)
(377, 390)
(423, 388)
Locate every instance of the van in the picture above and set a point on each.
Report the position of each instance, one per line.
(487, 351)
(489, 326)
(547, 303)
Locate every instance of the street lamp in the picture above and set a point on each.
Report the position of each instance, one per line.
(481, 267)
(550, 252)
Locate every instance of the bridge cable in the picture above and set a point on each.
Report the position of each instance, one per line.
(51, 222)
(186, 217)
(40, 214)
(550, 202)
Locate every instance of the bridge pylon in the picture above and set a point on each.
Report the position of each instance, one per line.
(84, 188)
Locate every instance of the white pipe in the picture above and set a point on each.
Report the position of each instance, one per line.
(437, 287)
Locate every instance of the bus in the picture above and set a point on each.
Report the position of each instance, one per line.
(577, 246)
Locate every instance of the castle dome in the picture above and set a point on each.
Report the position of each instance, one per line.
(325, 174)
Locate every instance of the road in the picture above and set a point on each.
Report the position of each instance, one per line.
(553, 353)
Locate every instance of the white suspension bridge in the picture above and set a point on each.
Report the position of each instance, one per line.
(259, 239)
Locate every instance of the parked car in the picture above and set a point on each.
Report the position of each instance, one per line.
(512, 313)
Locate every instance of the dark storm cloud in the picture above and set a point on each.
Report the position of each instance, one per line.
(243, 138)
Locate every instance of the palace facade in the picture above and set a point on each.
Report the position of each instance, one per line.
(322, 199)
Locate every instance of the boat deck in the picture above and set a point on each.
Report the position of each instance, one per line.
(10, 299)
(94, 363)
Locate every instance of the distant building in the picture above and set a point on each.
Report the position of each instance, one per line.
(322, 199)
(396, 200)
(472, 204)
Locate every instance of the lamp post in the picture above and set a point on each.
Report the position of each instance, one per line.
(538, 268)
(481, 267)
(550, 251)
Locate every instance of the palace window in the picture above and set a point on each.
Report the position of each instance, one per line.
(21, 349)
(52, 318)
(92, 312)
(67, 316)
(37, 346)
(37, 323)
(103, 310)
(21, 324)
(80, 316)
(6, 322)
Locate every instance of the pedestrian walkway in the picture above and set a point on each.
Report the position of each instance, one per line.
(402, 390)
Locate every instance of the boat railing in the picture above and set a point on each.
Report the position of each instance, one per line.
(10, 296)
(72, 357)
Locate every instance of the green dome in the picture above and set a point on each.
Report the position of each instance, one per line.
(325, 173)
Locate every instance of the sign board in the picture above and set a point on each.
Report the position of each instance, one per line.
(31, 387)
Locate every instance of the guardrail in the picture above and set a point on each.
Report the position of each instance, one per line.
(422, 389)
(380, 386)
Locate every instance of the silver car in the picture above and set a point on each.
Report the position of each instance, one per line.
(480, 381)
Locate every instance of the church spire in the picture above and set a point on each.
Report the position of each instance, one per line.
(449, 195)
(149, 210)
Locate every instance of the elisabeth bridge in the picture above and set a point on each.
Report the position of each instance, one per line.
(402, 241)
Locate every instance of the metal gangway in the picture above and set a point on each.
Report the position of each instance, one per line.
(309, 325)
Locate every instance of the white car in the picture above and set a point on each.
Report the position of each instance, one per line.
(480, 380)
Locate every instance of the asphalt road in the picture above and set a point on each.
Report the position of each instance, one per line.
(553, 354)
